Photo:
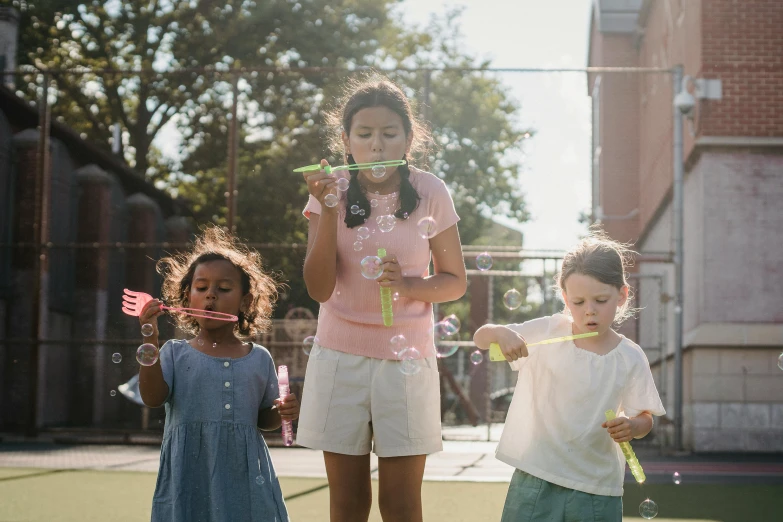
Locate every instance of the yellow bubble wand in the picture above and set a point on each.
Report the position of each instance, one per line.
(630, 456)
(386, 298)
(496, 355)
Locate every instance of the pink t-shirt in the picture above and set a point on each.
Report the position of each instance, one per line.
(350, 320)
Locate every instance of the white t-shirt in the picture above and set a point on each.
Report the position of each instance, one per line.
(553, 428)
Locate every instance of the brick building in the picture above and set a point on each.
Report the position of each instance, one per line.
(96, 199)
(732, 54)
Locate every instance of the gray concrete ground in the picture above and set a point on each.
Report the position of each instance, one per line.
(466, 459)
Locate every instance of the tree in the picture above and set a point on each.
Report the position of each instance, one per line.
(173, 37)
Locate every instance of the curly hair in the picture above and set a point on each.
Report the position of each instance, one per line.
(604, 259)
(212, 245)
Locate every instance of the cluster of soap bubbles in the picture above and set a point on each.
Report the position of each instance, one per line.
(362, 233)
(355, 209)
(386, 222)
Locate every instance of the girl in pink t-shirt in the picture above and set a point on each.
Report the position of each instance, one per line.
(358, 395)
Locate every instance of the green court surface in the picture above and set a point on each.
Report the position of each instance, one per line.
(85, 496)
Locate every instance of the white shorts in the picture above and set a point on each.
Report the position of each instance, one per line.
(352, 404)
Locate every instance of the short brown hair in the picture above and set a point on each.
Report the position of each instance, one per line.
(602, 258)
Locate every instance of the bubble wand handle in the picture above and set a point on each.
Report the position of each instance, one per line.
(282, 383)
(630, 456)
(386, 298)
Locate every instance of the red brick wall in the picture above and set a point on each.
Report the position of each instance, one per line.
(743, 46)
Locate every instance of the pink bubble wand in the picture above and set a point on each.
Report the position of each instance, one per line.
(133, 303)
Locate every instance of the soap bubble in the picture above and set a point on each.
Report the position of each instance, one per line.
(427, 227)
(116, 358)
(357, 245)
(648, 509)
(398, 344)
(307, 344)
(147, 330)
(362, 233)
(677, 478)
(446, 350)
(512, 299)
(484, 261)
(355, 209)
(395, 296)
(378, 171)
(476, 357)
(342, 184)
(386, 223)
(372, 267)
(453, 324)
(112, 393)
(410, 361)
(331, 200)
(260, 480)
(361, 211)
(147, 354)
(373, 203)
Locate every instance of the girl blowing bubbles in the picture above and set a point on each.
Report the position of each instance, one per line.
(214, 464)
(356, 398)
(568, 459)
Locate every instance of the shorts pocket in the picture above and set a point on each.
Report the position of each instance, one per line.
(422, 395)
(318, 387)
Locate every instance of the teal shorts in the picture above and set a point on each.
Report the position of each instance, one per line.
(531, 499)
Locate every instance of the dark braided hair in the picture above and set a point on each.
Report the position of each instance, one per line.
(409, 198)
(377, 91)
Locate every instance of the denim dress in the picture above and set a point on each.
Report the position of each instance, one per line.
(214, 463)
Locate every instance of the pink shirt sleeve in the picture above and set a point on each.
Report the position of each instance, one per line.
(440, 206)
(313, 207)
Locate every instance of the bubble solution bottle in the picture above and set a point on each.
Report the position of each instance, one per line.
(282, 382)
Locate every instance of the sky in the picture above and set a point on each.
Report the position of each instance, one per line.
(532, 34)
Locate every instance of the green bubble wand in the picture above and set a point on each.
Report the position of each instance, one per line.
(630, 456)
(386, 298)
(353, 166)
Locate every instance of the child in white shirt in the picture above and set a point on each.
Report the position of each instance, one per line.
(568, 459)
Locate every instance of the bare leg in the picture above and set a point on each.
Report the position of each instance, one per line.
(399, 496)
(350, 492)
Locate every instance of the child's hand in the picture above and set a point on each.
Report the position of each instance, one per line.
(511, 344)
(620, 429)
(150, 313)
(288, 407)
(392, 273)
(319, 183)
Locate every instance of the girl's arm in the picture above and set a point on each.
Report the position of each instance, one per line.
(449, 282)
(512, 345)
(320, 266)
(623, 429)
(152, 385)
(270, 419)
